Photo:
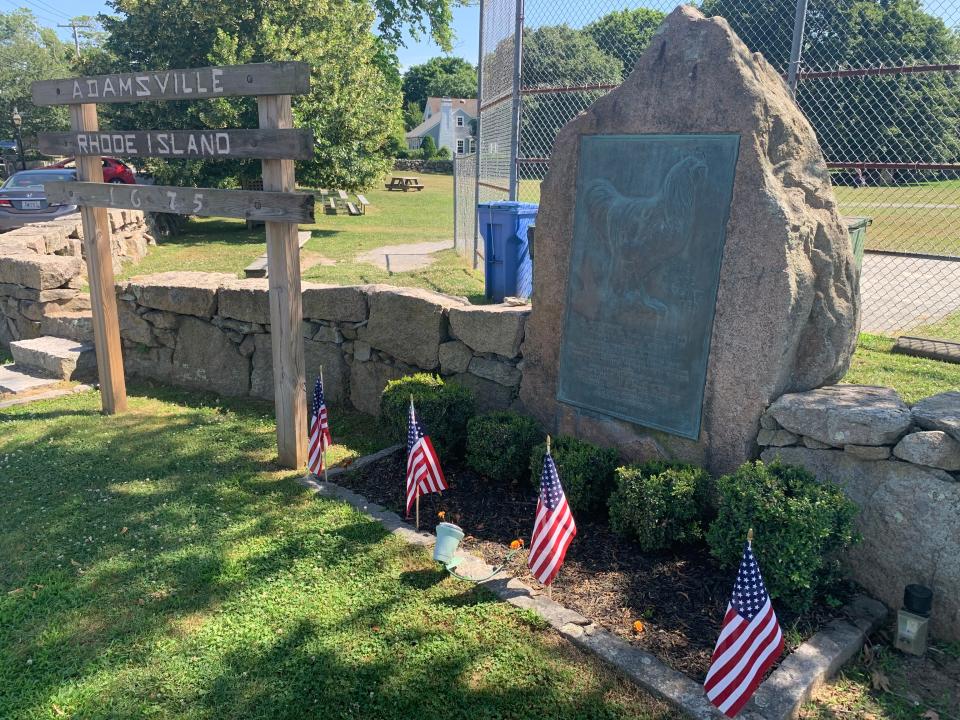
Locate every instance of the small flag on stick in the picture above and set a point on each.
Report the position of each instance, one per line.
(424, 474)
(320, 438)
(554, 528)
(750, 641)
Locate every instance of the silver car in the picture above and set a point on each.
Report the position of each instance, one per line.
(23, 198)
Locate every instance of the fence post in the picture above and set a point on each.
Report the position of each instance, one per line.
(515, 110)
(476, 185)
(799, 21)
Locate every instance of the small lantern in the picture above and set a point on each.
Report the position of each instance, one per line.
(17, 118)
(913, 619)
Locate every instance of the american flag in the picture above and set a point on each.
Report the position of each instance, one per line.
(424, 474)
(320, 438)
(553, 530)
(750, 641)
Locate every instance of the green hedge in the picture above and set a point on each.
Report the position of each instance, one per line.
(443, 409)
(586, 472)
(660, 504)
(499, 445)
(800, 528)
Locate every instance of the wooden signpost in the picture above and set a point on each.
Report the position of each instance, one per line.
(276, 142)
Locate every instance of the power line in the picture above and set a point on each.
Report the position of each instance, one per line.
(38, 15)
(54, 9)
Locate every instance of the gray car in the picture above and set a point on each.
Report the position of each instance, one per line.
(23, 198)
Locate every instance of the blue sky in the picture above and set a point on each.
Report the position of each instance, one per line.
(465, 24)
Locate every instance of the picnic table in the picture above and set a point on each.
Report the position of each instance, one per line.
(404, 182)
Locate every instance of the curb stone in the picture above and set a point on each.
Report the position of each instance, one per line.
(778, 698)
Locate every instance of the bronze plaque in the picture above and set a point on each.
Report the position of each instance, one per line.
(649, 227)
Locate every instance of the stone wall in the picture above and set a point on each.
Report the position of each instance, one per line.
(211, 331)
(42, 273)
(901, 466)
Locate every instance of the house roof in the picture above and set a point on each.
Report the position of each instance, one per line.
(468, 105)
(422, 128)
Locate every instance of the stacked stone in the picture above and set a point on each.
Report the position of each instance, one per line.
(212, 331)
(868, 423)
(41, 273)
(34, 287)
(900, 465)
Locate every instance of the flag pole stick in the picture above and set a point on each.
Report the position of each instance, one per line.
(550, 586)
(750, 536)
(324, 443)
(548, 443)
(418, 512)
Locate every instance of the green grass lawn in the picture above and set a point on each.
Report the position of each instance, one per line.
(914, 378)
(157, 564)
(393, 218)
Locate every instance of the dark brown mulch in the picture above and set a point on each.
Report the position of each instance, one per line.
(680, 596)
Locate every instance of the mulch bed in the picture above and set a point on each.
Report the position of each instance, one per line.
(680, 595)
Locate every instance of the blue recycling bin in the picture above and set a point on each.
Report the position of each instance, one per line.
(508, 269)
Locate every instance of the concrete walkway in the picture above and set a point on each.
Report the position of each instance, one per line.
(402, 258)
(900, 293)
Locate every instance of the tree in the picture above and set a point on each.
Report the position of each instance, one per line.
(353, 106)
(559, 56)
(428, 147)
(625, 34)
(446, 76)
(886, 118)
(28, 53)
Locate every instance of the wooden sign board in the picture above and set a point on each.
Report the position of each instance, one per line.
(183, 144)
(286, 207)
(277, 78)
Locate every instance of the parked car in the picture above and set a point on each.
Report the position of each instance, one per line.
(114, 171)
(23, 198)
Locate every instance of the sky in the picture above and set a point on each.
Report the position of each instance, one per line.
(465, 26)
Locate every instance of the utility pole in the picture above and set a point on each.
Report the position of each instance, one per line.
(76, 37)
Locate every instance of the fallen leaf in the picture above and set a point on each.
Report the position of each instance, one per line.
(58, 711)
(879, 680)
(123, 530)
(931, 714)
(74, 563)
(15, 591)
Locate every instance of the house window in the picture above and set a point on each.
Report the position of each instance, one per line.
(473, 145)
(459, 120)
(459, 147)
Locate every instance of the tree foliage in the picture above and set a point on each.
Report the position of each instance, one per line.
(890, 118)
(29, 52)
(625, 34)
(352, 107)
(559, 56)
(446, 76)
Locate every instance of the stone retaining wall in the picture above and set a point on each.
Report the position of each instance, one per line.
(211, 331)
(42, 269)
(901, 466)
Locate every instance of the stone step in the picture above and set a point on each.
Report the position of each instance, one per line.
(77, 325)
(57, 357)
(17, 380)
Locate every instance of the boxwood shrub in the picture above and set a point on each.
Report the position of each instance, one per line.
(660, 504)
(443, 410)
(499, 445)
(800, 528)
(586, 472)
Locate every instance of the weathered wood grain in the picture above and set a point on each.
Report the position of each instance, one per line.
(178, 144)
(277, 78)
(286, 309)
(248, 204)
(103, 300)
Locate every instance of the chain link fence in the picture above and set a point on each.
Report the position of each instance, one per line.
(877, 79)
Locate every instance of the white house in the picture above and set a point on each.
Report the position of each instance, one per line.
(448, 122)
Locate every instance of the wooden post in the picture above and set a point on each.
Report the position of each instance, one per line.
(103, 299)
(286, 307)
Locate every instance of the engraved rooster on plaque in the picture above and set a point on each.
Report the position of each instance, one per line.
(636, 236)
